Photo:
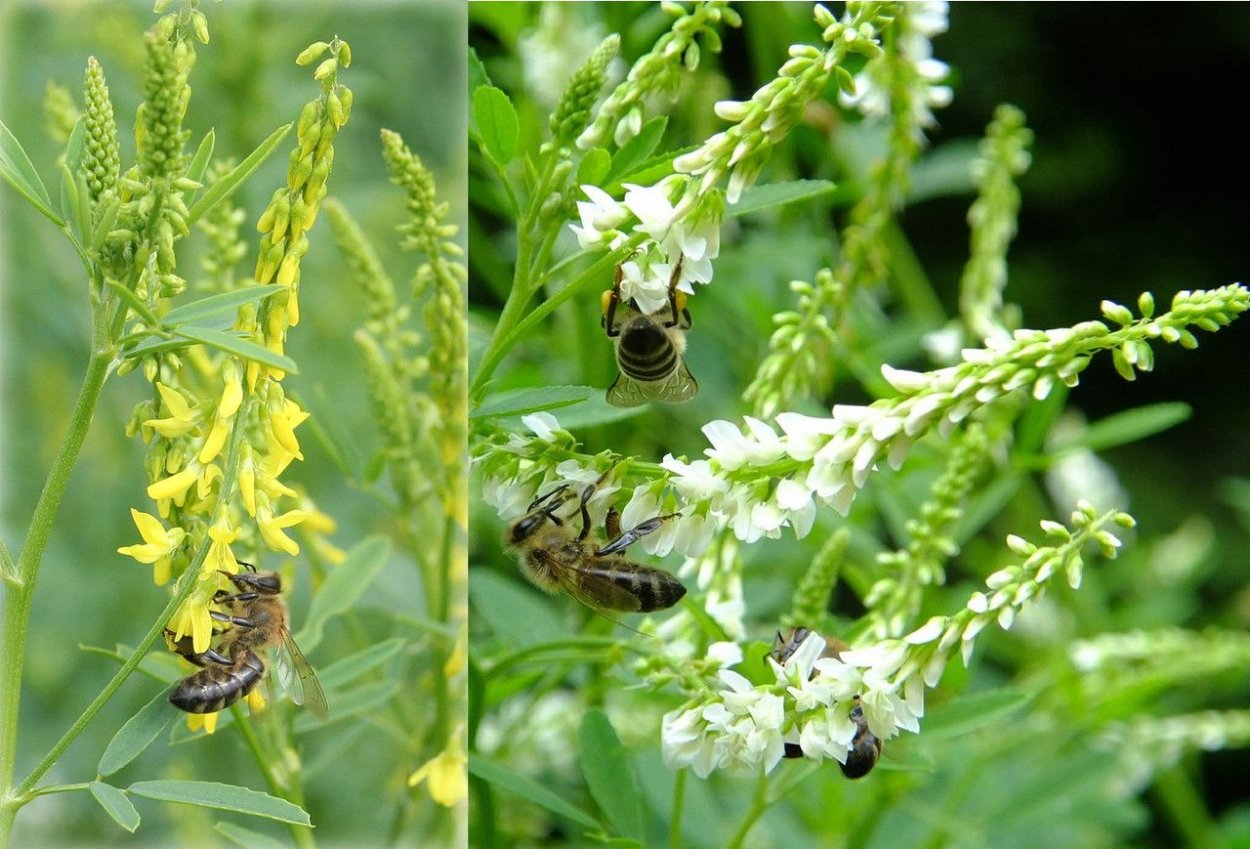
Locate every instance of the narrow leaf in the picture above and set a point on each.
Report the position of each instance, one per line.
(635, 151)
(343, 586)
(116, 804)
(1132, 425)
(229, 182)
(516, 784)
(8, 569)
(17, 171)
(203, 155)
(245, 837)
(518, 402)
(594, 167)
(477, 71)
(222, 797)
(348, 669)
(609, 774)
(217, 304)
(968, 713)
(777, 194)
(137, 734)
(238, 346)
(496, 122)
(132, 300)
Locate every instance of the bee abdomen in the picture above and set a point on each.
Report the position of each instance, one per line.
(646, 353)
(655, 589)
(216, 687)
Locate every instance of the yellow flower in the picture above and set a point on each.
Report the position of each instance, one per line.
(231, 399)
(158, 547)
(282, 424)
(219, 554)
(181, 419)
(256, 700)
(176, 485)
(271, 528)
(447, 773)
(193, 617)
(247, 479)
(207, 721)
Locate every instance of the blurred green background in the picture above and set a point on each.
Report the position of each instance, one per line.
(407, 75)
(1138, 182)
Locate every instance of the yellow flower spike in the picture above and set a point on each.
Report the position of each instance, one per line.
(447, 773)
(317, 521)
(175, 485)
(271, 529)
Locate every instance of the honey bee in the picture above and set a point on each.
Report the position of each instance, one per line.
(648, 348)
(865, 746)
(553, 558)
(257, 620)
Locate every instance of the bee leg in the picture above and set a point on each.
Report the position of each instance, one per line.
(676, 313)
(612, 523)
(233, 620)
(246, 566)
(634, 534)
(586, 494)
(534, 505)
(611, 300)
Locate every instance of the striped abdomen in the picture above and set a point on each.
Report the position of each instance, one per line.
(216, 687)
(645, 352)
(654, 589)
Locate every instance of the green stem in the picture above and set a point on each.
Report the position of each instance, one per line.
(759, 804)
(300, 834)
(1185, 808)
(18, 599)
(679, 799)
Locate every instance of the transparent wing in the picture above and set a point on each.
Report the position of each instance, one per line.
(678, 387)
(626, 392)
(592, 590)
(297, 677)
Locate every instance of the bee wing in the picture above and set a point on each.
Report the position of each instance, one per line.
(678, 387)
(594, 591)
(297, 677)
(626, 392)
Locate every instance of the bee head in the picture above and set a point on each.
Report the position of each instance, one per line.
(266, 583)
(527, 525)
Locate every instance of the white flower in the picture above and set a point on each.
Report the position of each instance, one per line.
(600, 219)
(653, 208)
(695, 481)
(542, 425)
(646, 283)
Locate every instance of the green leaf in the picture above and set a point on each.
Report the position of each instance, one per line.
(519, 402)
(649, 172)
(75, 146)
(593, 168)
(518, 785)
(116, 804)
(478, 76)
(199, 162)
(636, 151)
(17, 171)
(247, 838)
(343, 586)
(227, 183)
(357, 665)
(232, 344)
(496, 122)
(217, 304)
(594, 411)
(366, 700)
(609, 774)
(1132, 425)
(222, 797)
(8, 569)
(969, 713)
(776, 194)
(518, 616)
(137, 734)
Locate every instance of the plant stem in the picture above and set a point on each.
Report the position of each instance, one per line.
(759, 804)
(19, 596)
(679, 799)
